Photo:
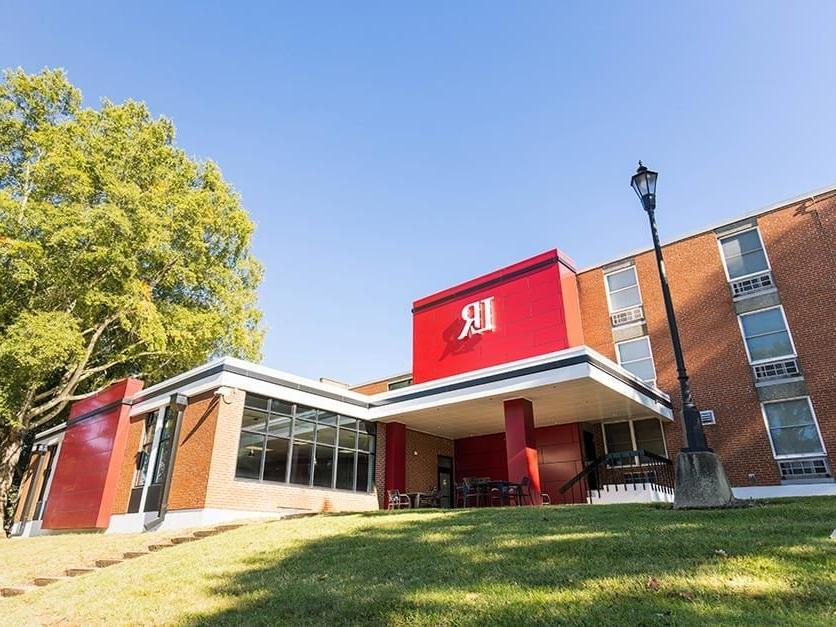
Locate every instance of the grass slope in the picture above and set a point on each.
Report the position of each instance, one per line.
(620, 564)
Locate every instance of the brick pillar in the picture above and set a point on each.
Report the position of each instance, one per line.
(521, 444)
(395, 458)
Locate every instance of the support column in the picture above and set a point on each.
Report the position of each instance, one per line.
(395, 459)
(521, 445)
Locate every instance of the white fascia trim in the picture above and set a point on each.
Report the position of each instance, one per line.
(750, 214)
(48, 432)
(625, 390)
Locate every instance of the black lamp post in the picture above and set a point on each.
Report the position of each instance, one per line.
(644, 183)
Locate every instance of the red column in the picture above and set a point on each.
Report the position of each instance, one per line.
(521, 444)
(395, 459)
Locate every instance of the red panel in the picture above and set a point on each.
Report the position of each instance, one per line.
(529, 314)
(481, 456)
(395, 458)
(88, 465)
(521, 444)
(560, 458)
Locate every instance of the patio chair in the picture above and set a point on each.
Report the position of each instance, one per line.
(433, 499)
(398, 500)
(471, 491)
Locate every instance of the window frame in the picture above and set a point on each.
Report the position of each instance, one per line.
(792, 355)
(650, 353)
(720, 239)
(815, 422)
(638, 289)
(633, 442)
(371, 453)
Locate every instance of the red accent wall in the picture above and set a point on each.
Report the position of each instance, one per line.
(535, 312)
(559, 453)
(84, 484)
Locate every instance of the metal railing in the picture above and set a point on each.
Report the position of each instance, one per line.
(620, 471)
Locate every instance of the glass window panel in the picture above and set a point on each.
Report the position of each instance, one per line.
(326, 435)
(633, 350)
(304, 430)
(762, 322)
(618, 437)
(364, 441)
(254, 420)
(256, 402)
(794, 413)
(348, 439)
(306, 413)
(281, 407)
(620, 280)
(796, 441)
(348, 423)
(769, 346)
(368, 427)
(363, 468)
(323, 466)
(163, 453)
(327, 418)
(649, 436)
(168, 425)
(275, 461)
(741, 243)
(750, 263)
(643, 369)
(279, 425)
(250, 448)
(345, 470)
(626, 298)
(300, 464)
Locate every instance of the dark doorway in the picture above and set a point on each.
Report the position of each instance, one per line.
(589, 455)
(445, 480)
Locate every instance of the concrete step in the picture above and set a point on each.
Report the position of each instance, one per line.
(183, 539)
(228, 527)
(45, 581)
(205, 533)
(75, 572)
(13, 591)
(159, 547)
(107, 562)
(129, 555)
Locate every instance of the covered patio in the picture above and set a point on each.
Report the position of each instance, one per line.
(516, 431)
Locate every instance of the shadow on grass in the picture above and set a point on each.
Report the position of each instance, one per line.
(578, 565)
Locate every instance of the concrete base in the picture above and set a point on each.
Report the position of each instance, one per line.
(701, 482)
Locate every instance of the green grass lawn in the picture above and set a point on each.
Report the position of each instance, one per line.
(618, 564)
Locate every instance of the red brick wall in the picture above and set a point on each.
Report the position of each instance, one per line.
(799, 243)
(194, 453)
(422, 451)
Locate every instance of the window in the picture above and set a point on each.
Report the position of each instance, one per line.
(633, 435)
(743, 254)
(623, 289)
(145, 449)
(792, 428)
(284, 442)
(707, 417)
(400, 383)
(766, 335)
(635, 356)
(163, 447)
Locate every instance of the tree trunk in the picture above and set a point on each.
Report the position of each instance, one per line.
(11, 445)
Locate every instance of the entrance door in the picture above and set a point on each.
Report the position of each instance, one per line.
(445, 480)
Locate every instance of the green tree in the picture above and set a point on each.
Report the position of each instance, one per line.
(119, 255)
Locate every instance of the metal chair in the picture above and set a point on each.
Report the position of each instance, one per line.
(471, 491)
(398, 500)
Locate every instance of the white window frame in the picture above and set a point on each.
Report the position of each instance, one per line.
(769, 432)
(723, 255)
(792, 355)
(638, 289)
(651, 383)
(632, 435)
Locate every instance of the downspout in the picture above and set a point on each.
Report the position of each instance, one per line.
(178, 402)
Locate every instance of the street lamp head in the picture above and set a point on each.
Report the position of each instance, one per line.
(644, 182)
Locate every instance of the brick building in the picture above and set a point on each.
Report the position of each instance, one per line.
(536, 372)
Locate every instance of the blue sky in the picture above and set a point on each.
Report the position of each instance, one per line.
(388, 150)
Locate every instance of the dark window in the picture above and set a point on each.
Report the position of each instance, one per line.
(284, 442)
(400, 383)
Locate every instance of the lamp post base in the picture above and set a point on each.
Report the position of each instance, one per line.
(701, 482)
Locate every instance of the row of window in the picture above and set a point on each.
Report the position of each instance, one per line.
(289, 443)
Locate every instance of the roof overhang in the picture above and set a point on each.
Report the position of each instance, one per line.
(573, 385)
